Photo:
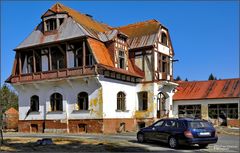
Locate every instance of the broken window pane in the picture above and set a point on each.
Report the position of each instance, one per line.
(191, 111)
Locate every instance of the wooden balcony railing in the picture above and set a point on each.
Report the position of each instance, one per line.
(54, 74)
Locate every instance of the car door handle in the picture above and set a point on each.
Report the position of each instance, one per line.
(154, 128)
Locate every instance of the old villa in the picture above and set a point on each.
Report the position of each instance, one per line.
(74, 74)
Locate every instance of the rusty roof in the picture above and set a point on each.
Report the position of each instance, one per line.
(141, 34)
(213, 89)
(11, 111)
(100, 52)
(80, 18)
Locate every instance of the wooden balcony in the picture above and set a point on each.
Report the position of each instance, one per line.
(55, 74)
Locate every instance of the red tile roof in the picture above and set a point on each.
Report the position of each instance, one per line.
(213, 89)
(103, 58)
(11, 111)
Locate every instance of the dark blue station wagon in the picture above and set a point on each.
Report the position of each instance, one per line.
(182, 131)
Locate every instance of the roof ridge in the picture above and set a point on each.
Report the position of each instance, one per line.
(139, 23)
(207, 80)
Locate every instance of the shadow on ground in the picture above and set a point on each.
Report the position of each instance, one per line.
(69, 146)
(165, 145)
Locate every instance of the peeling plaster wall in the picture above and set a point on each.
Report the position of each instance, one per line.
(69, 91)
(149, 113)
(204, 105)
(110, 88)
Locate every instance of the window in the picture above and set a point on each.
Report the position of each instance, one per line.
(191, 111)
(89, 58)
(164, 64)
(171, 124)
(30, 64)
(34, 103)
(57, 59)
(142, 100)
(56, 101)
(223, 111)
(61, 20)
(121, 59)
(51, 24)
(83, 101)
(121, 97)
(164, 39)
(159, 123)
(79, 57)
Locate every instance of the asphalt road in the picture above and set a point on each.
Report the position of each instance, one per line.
(226, 143)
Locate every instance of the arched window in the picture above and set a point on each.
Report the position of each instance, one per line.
(121, 99)
(164, 39)
(83, 101)
(56, 102)
(34, 103)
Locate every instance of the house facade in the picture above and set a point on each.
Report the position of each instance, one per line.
(74, 74)
(215, 100)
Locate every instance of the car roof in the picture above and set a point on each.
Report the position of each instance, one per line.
(184, 119)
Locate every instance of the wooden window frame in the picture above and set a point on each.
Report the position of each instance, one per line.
(83, 103)
(143, 100)
(56, 102)
(121, 101)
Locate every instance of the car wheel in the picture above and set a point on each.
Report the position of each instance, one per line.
(203, 145)
(140, 138)
(172, 142)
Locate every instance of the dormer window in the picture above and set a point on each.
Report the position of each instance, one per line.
(51, 24)
(121, 59)
(164, 39)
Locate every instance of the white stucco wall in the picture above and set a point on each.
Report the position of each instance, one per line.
(110, 89)
(68, 89)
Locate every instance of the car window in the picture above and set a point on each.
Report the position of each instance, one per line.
(159, 123)
(199, 124)
(180, 124)
(170, 124)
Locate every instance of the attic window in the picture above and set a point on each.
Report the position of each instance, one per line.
(61, 20)
(164, 39)
(51, 24)
(121, 59)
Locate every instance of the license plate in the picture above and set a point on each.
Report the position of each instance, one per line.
(204, 134)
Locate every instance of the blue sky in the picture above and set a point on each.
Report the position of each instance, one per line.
(205, 35)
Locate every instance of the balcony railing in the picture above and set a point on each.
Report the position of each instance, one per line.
(54, 74)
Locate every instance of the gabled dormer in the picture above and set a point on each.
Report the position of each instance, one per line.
(53, 18)
(121, 51)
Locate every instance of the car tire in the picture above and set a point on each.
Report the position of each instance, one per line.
(140, 137)
(203, 145)
(173, 142)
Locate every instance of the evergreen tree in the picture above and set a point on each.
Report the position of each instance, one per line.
(178, 78)
(211, 77)
(8, 99)
(186, 79)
